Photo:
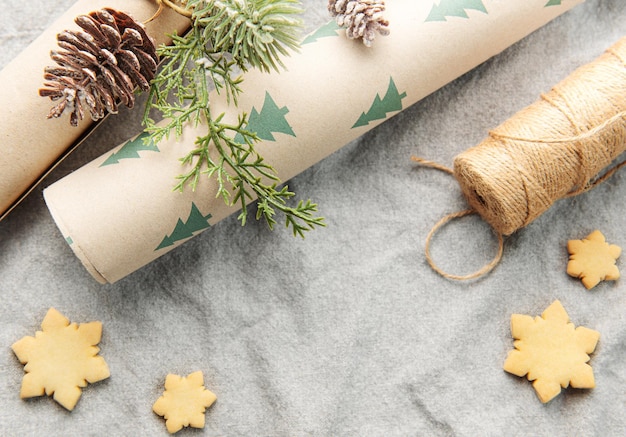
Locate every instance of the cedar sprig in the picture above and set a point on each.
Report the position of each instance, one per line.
(180, 91)
(226, 38)
(239, 166)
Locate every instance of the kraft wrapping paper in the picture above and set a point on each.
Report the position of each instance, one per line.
(119, 212)
(30, 143)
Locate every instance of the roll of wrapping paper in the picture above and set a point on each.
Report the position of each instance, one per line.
(30, 143)
(302, 114)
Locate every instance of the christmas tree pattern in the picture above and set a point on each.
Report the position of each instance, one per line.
(379, 109)
(194, 223)
(454, 8)
(553, 3)
(131, 149)
(328, 29)
(270, 119)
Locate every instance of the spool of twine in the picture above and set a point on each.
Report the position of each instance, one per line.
(555, 148)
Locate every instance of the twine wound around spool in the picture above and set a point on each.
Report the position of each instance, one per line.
(591, 183)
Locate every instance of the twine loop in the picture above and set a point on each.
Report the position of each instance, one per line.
(477, 274)
(443, 221)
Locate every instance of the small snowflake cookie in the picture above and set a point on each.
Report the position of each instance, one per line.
(60, 359)
(592, 259)
(184, 401)
(551, 351)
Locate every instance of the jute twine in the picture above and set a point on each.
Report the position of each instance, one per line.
(560, 146)
(176, 5)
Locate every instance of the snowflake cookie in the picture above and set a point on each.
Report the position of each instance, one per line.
(184, 401)
(592, 259)
(551, 351)
(61, 359)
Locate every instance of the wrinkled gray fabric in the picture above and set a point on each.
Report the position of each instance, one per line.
(348, 332)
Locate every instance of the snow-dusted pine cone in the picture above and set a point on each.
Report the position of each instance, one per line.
(99, 66)
(361, 18)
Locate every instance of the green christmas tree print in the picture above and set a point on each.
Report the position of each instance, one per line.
(328, 29)
(185, 229)
(381, 107)
(131, 150)
(454, 8)
(553, 3)
(270, 120)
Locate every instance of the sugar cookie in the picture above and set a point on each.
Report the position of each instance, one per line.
(184, 401)
(61, 359)
(592, 259)
(551, 351)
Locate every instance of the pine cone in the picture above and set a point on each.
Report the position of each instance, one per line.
(99, 66)
(362, 18)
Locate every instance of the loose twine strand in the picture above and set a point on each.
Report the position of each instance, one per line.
(443, 221)
(561, 146)
(170, 4)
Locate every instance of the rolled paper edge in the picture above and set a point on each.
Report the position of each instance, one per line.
(75, 246)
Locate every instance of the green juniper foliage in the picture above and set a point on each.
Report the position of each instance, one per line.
(227, 37)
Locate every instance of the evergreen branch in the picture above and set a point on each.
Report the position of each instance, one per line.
(227, 36)
(244, 169)
(254, 32)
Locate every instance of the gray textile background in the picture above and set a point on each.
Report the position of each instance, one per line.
(349, 332)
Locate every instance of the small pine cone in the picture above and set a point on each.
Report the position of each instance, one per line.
(99, 65)
(361, 18)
